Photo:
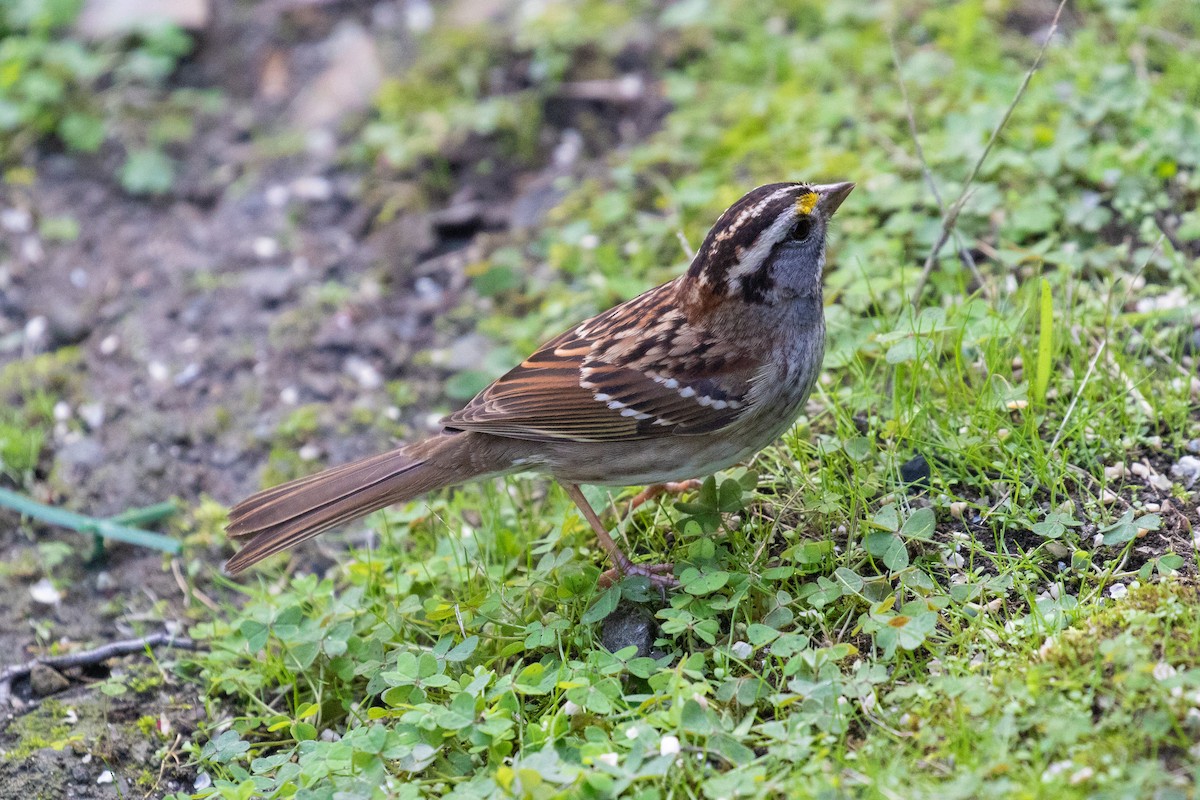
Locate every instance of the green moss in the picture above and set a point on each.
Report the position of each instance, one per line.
(41, 728)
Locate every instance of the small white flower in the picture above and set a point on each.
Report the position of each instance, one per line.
(1081, 775)
(1162, 671)
(570, 709)
(1056, 769)
(608, 758)
(631, 732)
(668, 746)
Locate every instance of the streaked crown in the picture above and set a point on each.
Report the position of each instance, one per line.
(774, 234)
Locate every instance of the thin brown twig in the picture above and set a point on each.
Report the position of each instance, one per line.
(963, 253)
(86, 658)
(951, 217)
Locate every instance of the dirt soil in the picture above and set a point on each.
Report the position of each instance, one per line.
(204, 319)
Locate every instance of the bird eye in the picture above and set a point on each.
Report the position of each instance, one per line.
(802, 229)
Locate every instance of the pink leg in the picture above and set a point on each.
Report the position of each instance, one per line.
(658, 574)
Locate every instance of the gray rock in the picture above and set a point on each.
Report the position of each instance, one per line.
(45, 681)
(629, 625)
(269, 285)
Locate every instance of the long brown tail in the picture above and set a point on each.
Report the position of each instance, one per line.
(282, 517)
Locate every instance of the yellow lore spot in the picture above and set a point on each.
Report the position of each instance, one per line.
(806, 202)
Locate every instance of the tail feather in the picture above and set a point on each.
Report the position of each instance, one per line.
(284, 516)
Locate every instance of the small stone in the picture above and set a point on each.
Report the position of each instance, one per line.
(611, 759)
(277, 195)
(105, 581)
(105, 777)
(45, 593)
(957, 509)
(289, 396)
(915, 472)
(1108, 497)
(364, 373)
(1117, 591)
(1187, 470)
(629, 625)
(1017, 405)
(202, 782)
(669, 746)
(314, 188)
(109, 344)
(45, 681)
(68, 325)
(309, 452)
(16, 220)
(92, 415)
(62, 411)
(35, 330)
(187, 375)
(741, 650)
(1160, 482)
(159, 373)
(1115, 472)
(1003, 433)
(265, 248)
(1140, 468)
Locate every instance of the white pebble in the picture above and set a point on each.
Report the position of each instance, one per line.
(266, 248)
(608, 758)
(312, 188)
(16, 220)
(44, 592)
(277, 196)
(35, 328)
(158, 372)
(362, 371)
(289, 396)
(1187, 469)
(105, 777)
(92, 415)
(309, 452)
(1117, 591)
(109, 344)
(741, 649)
(62, 411)
(669, 746)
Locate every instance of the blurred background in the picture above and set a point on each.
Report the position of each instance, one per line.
(243, 240)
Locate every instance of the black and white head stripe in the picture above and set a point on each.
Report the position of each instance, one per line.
(740, 242)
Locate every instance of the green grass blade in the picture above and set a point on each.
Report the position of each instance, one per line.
(1045, 351)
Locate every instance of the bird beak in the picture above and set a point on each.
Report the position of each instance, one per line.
(832, 195)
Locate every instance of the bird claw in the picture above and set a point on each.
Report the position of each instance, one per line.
(659, 575)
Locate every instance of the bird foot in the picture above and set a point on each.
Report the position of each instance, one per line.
(659, 575)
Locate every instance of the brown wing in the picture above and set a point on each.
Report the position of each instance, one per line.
(635, 372)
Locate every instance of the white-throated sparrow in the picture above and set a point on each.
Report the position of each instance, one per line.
(683, 380)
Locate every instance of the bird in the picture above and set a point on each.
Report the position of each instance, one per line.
(686, 379)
